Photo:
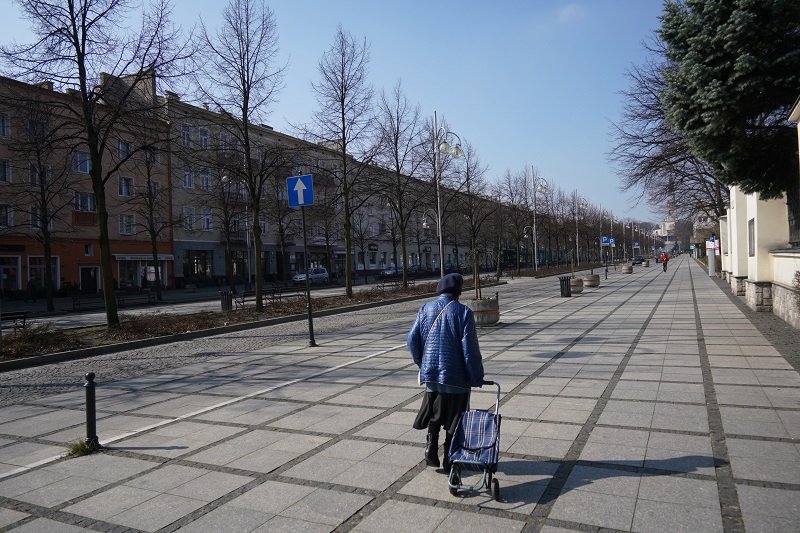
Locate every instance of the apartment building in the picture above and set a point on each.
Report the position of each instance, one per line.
(178, 180)
(46, 195)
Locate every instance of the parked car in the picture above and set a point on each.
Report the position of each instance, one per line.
(391, 272)
(316, 275)
(637, 260)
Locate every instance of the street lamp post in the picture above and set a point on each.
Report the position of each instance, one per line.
(525, 235)
(537, 188)
(578, 205)
(455, 151)
(426, 226)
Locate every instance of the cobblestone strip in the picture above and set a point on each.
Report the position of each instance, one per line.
(545, 505)
(732, 520)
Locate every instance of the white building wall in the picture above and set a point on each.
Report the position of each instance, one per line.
(737, 234)
(770, 232)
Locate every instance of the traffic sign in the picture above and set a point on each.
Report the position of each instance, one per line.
(613, 242)
(604, 240)
(300, 190)
(636, 244)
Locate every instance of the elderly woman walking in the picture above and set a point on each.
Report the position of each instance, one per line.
(444, 344)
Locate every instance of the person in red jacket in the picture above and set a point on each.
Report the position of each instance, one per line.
(664, 259)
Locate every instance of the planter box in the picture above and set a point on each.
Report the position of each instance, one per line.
(486, 311)
(576, 285)
(591, 280)
(627, 269)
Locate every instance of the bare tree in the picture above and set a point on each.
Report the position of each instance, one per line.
(150, 205)
(44, 152)
(240, 75)
(401, 135)
(655, 160)
(518, 213)
(475, 206)
(110, 74)
(344, 123)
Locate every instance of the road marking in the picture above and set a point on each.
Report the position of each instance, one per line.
(206, 409)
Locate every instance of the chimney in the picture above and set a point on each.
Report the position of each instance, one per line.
(46, 84)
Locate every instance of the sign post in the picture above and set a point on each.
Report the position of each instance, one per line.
(711, 254)
(300, 191)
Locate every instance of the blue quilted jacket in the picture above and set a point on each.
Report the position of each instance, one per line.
(451, 354)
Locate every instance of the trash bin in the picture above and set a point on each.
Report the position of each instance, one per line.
(226, 300)
(565, 288)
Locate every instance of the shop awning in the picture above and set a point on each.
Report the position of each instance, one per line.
(143, 257)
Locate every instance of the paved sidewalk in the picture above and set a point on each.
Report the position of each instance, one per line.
(649, 404)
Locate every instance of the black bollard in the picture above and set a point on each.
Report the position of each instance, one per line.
(91, 413)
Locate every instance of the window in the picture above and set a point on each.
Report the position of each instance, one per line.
(81, 162)
(36, 129)
(126, 223)
(36, 175)
(5, 125)
(84, 201)
(188, 218)
(262, 223)
(186, 135)
(751, 237)
(5, 171)
(37, 219)
(205, 179)
(188, 180)
(203, 132)
(151, 156)
(124, 149)
(125, 186)
(205, 219)
(6, 218)
(153, 189)
(88, 250)
(224, 142)
(372, 231)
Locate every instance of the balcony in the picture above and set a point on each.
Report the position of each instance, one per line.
(84, 218)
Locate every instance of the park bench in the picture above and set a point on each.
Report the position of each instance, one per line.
(134, 297)
(240, 300)
(87, 301)
(392, 283)
(17, 319)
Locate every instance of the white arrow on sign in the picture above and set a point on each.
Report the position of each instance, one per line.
(299, 187)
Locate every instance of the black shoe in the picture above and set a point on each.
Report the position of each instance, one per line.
(446, 456)
(431, 450)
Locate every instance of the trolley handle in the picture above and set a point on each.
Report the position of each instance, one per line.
(484, 382)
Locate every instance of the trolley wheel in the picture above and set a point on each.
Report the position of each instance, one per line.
(495, 490)
(454, 479)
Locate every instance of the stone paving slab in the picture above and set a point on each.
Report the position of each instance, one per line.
(652, 403)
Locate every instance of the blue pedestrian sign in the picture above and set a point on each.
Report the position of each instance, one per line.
(300, 190)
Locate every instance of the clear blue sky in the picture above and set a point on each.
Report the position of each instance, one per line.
(526, 82)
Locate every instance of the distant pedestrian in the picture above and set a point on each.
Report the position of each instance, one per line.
(664, 259)
(31, 288)
(444, 344)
